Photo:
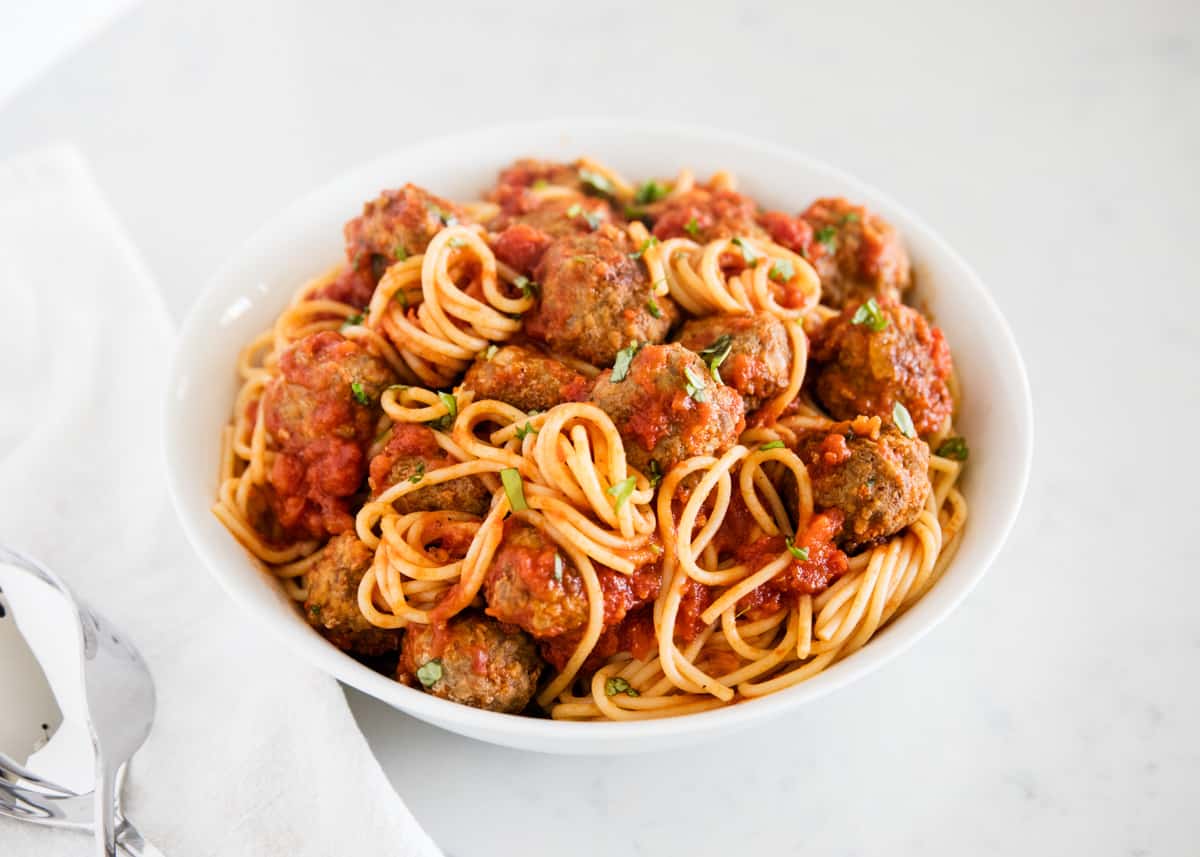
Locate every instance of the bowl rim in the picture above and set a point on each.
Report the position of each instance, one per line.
(582, 737)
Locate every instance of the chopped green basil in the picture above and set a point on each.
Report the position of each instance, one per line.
(656, 474)
(775, 444)
(526, 285)
(430, 672)
(850, 217)
(799, 553)
(525, 431)
(621, 492)
(401, 297)
(400, 253)
(692, 228)
(695, 385)
(621, 366)
(653, 308)
(418, 474)
(717, 353)
(903, 420)
(360, 395)
(871, 315)
(616, 685)
(353, 320)
(596, 182)
(513, 487)
(593, 220)
(441, 214)
(646, 245)
(827, 235)
(748, 254)
(649, 191)
(782, 271)
(955, 448)
(444, 422)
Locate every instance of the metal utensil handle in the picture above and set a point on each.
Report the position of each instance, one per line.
(131, 843)
(105, 822)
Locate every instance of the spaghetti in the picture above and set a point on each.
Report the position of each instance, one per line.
(760, 579)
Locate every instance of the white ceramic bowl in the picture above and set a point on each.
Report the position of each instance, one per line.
(248, 292)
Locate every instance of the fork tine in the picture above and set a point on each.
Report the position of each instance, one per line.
(31, 805)
(10, 769)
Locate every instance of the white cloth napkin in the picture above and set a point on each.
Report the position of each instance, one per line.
(252, 752)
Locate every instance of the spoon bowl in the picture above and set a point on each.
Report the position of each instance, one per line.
(105, 693)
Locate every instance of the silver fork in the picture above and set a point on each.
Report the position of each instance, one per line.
(117, 708)
(27, 797)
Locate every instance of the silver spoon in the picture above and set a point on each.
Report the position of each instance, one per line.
(106, 695)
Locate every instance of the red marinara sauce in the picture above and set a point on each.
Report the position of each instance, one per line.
(811, 575)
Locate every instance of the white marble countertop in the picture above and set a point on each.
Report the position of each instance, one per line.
(1057, 146)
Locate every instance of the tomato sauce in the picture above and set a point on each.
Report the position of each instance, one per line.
(809, 576)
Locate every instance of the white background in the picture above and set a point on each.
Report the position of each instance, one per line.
(1057, 146)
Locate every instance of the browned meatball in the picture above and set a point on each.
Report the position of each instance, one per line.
(873, 474)
(856, 253)
(595, 300)
(754, 355)
(332, 603)
(399, 223)
(393, 226)
(526, 172)
(526, 379)
(857, 369)
(320, 413)
(412, 452)
(570, 214)
(527, 224)
(705, 215)
(474, 661)
(532, 584)
(668, 407)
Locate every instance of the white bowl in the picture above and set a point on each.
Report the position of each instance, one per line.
(249, 291)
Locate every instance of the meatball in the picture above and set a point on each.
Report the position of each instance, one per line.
(526, 172)
(594, 299)
(527, 224)
(321, 412)
(525, 379)
(474, 660)
(874, 475)
(411, 453)
(399, 223)
(857, 369)
(532, 584)
(667, 407)
(628, 622)
(332, 603)
(856, 253)
(705, 215)
(393, 226)
(352, 285)
(757, 358)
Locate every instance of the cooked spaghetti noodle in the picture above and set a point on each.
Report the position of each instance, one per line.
(688, 528)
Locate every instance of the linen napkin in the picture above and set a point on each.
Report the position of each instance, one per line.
(252, 752)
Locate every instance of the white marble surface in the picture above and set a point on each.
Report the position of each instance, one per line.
(1057, 146)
